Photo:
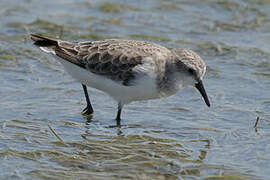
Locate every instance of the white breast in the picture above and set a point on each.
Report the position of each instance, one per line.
(144, 85)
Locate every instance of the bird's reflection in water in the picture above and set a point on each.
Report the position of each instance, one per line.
(121, 127)
(88, 119)
(118, 125)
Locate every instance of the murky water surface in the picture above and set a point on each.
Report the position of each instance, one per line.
(173, 138)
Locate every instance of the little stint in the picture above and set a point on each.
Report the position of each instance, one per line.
(127, 70)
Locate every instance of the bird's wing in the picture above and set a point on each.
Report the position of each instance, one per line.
(113, 58)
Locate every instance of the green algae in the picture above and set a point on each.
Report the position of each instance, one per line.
(7, 57)
(260, 1)
(180, 109)
(44, 24)
(168, 6)
(263, 74)
(115, 21)
(229, 26)
(112, 7)
(149, 37)
(15, 24)
(255, 22)
(266, 102)
(216, 49)
(90, 36)
(88, 18)
(46, 27)
(225, 178)
(86, 4)
(229, 5)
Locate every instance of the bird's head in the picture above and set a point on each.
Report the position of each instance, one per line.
(193, 68)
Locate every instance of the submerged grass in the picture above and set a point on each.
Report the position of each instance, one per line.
(56, 135)
(117, 157)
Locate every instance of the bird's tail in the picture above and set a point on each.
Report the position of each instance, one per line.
(62, 49)
(42, 41)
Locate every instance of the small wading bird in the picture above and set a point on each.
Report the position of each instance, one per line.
(127, 70)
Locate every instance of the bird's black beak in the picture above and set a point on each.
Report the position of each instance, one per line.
(201, 89)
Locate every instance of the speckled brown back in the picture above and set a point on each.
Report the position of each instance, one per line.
(113, 58)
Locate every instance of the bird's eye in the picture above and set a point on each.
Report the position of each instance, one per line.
(191, 71)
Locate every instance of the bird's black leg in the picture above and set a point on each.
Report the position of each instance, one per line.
(88, 110)
(118, 117)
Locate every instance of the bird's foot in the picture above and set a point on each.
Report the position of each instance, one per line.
(88, 111)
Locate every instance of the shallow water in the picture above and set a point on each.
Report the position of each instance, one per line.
(173, 138)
